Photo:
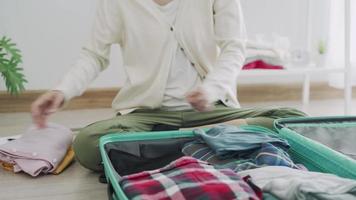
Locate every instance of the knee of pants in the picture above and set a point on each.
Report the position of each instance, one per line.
(290, 112)
(86, 149)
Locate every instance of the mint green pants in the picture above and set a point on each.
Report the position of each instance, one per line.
(86, 143)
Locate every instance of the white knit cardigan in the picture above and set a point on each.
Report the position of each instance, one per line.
(211, 33)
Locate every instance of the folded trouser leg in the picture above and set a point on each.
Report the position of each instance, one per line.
(253, 116)
(268, 116)
(86, 143)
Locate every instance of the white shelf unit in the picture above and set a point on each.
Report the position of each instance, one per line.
(305, 72)
(308, 70)
(348, 72)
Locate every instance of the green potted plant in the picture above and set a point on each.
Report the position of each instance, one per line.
(10, 70)
(321, 53)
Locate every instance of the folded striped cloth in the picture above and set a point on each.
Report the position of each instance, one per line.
(268, 155)
(235, 148)
(188, 178)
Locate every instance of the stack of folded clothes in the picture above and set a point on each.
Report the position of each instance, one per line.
(37, 151)
(261, 54)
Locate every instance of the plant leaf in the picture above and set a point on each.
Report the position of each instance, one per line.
(10, 58)
(10, 48)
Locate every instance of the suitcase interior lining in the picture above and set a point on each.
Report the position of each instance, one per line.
(339, 135)
(136, 156)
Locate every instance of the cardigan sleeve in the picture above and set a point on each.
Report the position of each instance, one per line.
(94, 56)
(230, 34)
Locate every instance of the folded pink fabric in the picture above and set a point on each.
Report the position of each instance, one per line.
(260, 64)
(38, 150)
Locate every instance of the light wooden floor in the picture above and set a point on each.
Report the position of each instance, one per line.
(77, 183)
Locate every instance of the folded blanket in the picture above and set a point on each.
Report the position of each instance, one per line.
(38, 150)
(274, 52)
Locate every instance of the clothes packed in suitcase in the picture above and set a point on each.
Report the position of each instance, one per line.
(294, 161)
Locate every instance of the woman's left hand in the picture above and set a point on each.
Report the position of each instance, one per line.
(199, 100)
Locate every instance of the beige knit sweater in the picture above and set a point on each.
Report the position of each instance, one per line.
(211, 32)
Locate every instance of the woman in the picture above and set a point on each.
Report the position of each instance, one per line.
(182, 58)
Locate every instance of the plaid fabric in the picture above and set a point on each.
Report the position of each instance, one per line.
(230, 141)
(266, 155)
(187, 178)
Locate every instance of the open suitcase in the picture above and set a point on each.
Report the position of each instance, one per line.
(156, 149)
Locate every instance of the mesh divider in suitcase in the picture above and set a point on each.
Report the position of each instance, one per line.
(325, 144)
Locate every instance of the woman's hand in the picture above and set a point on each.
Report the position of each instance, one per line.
(199, 100)
(45, 105)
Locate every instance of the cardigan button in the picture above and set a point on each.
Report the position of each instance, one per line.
(192, 64)
(172, 28)
(226, 100)
(182, 49)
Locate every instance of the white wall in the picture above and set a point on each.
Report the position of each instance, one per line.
(50, 33)
(284, 17)
(287, 18)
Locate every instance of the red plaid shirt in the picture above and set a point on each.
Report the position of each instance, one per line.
(187, 178)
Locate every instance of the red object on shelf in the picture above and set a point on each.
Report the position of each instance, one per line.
(260, 64)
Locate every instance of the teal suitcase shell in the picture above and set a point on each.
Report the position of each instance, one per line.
(297, 152)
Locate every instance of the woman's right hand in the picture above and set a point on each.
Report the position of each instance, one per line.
(45, 105)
